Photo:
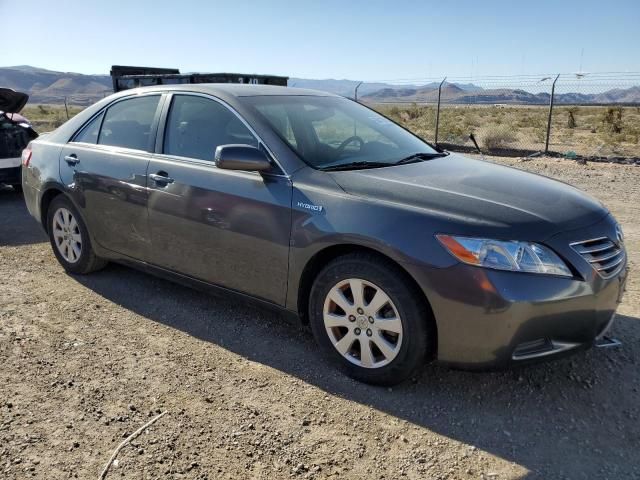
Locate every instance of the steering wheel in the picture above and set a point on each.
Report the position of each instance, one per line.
(349, 140)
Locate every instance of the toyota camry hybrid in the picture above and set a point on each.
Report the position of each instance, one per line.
(393, 251)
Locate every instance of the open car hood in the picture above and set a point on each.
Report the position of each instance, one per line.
(12, 101)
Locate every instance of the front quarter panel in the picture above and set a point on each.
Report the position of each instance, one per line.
(323, 215)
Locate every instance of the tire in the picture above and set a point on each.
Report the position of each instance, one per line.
(17, 187)
(71, 232)
(397, 349)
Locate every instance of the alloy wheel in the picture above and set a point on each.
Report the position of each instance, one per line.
(66, 235)
(362, 323)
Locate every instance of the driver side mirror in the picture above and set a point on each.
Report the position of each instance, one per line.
(241, 157)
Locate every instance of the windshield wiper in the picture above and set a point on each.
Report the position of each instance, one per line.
(419, 157)
(355, 166)
(415, 157)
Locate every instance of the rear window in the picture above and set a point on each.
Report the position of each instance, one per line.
(89, 133)
(128, 123)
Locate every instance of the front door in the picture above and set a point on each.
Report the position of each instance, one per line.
(229, 228)
(105, 168)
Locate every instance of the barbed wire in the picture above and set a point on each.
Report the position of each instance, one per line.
(507, 78)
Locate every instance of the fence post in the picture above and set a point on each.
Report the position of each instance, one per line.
(553, 89)
(66, 109)
(438, 110)
(355, 95)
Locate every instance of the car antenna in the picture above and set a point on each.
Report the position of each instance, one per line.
(473, 139)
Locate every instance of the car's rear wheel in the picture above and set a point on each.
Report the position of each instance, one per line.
(370, 320)
(70, 239)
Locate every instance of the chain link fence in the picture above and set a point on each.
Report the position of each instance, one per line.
(573, 115)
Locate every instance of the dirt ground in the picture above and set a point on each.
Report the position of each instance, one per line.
(85, 361)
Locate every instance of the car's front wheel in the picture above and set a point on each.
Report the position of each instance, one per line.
(70, 239)
(370, 320)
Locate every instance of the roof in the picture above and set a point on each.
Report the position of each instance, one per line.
(233, 89)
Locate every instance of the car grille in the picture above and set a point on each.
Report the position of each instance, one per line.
(605, 256)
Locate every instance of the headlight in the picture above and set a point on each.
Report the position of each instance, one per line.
(505, 255)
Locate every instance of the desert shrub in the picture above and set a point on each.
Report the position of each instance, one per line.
(497, 119)
(527, 121)
(524, 121)
(471, 121)
(612, 120)
(586, 120)
(43, 110)
(416, 111)
(571, 119)
(494, 138)
(454, 134)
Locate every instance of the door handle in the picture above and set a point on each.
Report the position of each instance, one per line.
(72, 159)
(160, 177)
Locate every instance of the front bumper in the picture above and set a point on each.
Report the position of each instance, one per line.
(489, 318)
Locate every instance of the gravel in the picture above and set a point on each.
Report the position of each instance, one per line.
(88, 360)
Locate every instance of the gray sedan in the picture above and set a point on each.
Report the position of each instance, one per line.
(394, 251)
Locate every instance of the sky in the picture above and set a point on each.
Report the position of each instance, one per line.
(355, 39)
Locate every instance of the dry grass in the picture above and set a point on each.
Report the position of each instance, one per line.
(584, 130)
(48, 117)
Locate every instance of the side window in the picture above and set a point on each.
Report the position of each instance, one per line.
(128, 123)
(197, 125)
(89, 133)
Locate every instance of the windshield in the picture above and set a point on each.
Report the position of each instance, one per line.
(334, 131)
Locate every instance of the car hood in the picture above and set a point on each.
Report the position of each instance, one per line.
(12, 101)
(475, 197)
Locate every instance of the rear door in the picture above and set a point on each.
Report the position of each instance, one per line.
(229, 228)
(105, 168)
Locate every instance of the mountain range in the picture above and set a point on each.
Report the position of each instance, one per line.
(452, 93)
(47, 86)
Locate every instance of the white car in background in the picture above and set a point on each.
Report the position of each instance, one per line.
(15, 134)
